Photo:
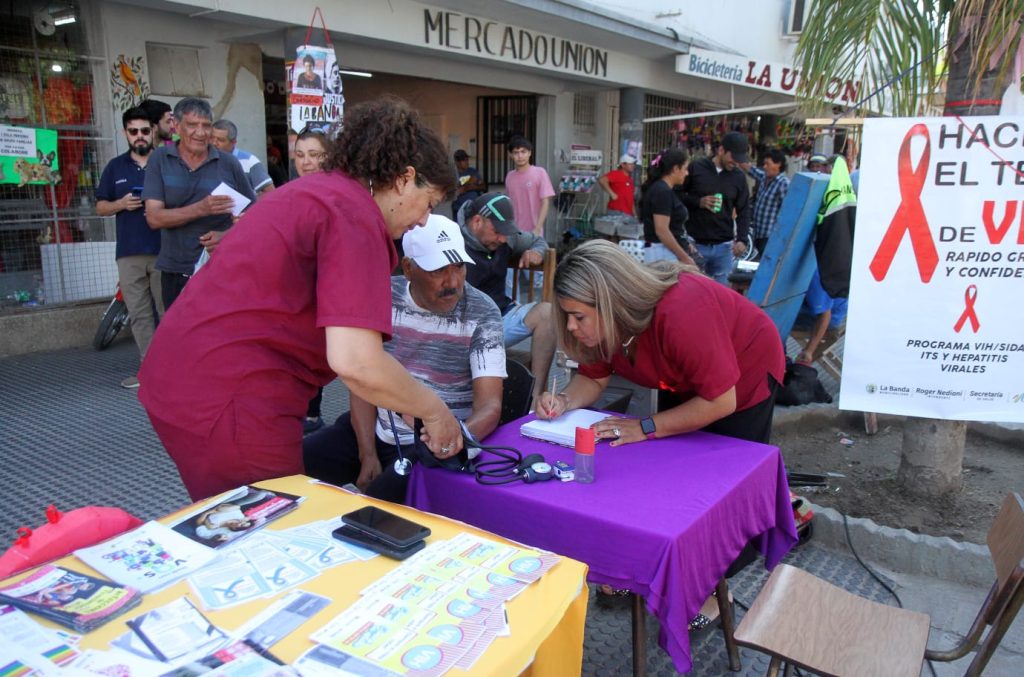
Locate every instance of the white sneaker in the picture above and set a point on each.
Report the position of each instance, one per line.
(130, 382)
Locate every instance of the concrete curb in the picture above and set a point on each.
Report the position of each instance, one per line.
(900, 550)
(904, 551)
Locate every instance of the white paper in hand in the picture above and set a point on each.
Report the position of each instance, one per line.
(241, 201)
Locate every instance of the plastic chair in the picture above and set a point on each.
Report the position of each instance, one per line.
(634, 248)
(516, 393)
(800, 619)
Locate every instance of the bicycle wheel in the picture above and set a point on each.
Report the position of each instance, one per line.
(114, 319)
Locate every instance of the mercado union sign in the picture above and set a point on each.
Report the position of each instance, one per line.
(483, 37)
(746, 71)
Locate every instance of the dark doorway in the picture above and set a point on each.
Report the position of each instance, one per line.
(275, 104)
(498, 119)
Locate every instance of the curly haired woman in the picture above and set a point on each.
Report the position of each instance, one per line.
(298, 294)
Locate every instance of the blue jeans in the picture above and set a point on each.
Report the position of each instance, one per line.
(514, 324)
(717, 260)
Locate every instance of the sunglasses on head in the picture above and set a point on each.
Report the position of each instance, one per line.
(135, 131)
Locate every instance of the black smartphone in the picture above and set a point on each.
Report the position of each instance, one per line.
(137, 191)
(350, 534)
(385, 526)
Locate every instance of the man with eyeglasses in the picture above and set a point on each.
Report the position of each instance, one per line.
(179, 195)
(119, 194)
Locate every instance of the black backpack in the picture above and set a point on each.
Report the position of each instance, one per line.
(801, 386)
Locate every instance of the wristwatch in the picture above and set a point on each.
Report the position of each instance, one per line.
(648, 427)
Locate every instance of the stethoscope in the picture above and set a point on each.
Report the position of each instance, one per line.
(509, 466)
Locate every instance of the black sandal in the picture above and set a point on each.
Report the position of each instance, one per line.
(613, 598)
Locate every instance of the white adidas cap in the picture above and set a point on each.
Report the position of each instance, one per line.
(435, 245)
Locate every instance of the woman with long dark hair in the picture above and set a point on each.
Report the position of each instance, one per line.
(662, 212)
(298, 294)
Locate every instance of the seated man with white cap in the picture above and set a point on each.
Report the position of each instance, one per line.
(618, 183)
(449, 336)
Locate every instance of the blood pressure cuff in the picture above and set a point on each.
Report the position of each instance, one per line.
(459, 463)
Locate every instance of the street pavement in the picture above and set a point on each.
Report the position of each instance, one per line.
(71, 436)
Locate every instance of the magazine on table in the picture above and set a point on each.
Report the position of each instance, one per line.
(75, 600)
(147, 558)
(238, 514)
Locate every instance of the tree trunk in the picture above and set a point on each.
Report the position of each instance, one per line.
(933, 450)
(933, 456)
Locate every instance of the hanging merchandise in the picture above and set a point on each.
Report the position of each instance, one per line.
(315, 95)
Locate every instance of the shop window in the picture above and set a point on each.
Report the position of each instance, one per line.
(584, 107)
(47, 210)
(174, 70)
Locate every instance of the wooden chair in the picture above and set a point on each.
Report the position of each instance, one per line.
(547, 267)
(803, 621)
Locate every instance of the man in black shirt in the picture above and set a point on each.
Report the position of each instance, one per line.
(711, 218)
(493, 241)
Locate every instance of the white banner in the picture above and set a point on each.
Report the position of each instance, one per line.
(938, 264)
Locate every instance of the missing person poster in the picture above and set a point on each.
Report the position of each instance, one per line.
(28, 155)
(938, 268)
(315, 92)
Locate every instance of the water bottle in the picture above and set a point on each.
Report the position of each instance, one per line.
(585, 441)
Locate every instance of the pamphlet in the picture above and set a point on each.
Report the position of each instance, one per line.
(240, 201)
(561, 430)
(17, 629)
(239, 659)
(238, 514)
(175, 630)
(325, 661)
(281, 618)
(147, 558)
(75, 600)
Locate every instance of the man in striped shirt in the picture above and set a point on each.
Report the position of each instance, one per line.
(449, 336)
(770, 191)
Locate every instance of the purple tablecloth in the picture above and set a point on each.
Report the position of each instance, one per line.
(664, 518)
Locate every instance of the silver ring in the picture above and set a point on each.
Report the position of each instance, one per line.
(446, 450)
(616, 432)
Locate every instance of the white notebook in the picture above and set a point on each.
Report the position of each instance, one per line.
(562, 430)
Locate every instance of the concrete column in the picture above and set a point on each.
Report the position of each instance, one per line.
(630, 121)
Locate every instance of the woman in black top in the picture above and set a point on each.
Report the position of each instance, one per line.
(663, 213)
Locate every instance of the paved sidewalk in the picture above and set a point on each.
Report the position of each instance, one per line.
(70, 435)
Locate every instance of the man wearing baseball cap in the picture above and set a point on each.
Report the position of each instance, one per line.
(819, 163)
(493, 241)
(715, 191)
(448, 336)
(618, 183)
(470, 183)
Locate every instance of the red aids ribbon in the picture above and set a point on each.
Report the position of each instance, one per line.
(909, 216)
(970, 296)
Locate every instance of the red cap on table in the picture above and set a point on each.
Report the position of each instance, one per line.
(585, 440)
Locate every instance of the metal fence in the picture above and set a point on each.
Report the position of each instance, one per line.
(53, 247)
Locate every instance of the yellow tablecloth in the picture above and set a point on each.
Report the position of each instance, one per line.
(546, 619)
